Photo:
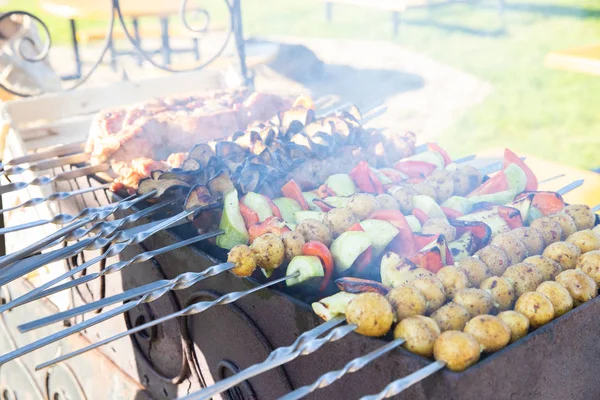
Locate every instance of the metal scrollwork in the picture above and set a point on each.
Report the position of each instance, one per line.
(235, 30)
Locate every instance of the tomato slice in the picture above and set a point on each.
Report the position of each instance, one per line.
(511, 158)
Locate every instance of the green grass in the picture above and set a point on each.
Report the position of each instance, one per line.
(548, 113)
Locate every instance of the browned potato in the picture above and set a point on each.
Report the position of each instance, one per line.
(524, 277)
(476, 301)
(430, 322)
(434, 226)
(362, 205)
(442, 182)
(453, 280)
(517, 322)
(419, 338)
(371, 312)
(566, 223)
(491, 332)
(268, 250)
(457, 349)
(451, 317)
(244, 260)
(433, 290)
(388, 202)
(549, 228)
(590, 264)
(586, 240)
(475, 269)
(564, 253)
(581, 287)
(404, 195)
(582, 215)
(407, 301)
(425, 188)
(293, 242)
(558, 295)
(338, 220)
(596, 229)
(547, 267)
(495, 258)
(531, 238)
(502, 292)
(514, 249)
(466, 178)
(536, 307)
(312, 229)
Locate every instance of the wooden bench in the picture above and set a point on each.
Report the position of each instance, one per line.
(396, 7)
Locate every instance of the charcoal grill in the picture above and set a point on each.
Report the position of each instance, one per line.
(181, 356)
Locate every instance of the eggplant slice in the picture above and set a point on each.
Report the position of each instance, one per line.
(162, 186)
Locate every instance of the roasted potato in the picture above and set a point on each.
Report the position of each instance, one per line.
(566, 223)
(425, 188)
(407, 301)
(548, 228)
(338, 220)
(514, 249)
(516, 322)
(495, 258)
(418, 336)
(430, 322)
(453, 280)
(457, 349)
(475, 269)
(404, 195)
(442, 182)
(388, 202)
(536, 307)
(581, 287)
(590, 264)
(268, 250)
(502, 292)
(451, 317)
(547, 267)
(586, 240)
(371, 312)
(558, 295)
(362, 205)
(243, 258)
(582, 215)
(564, 253)
(476, 301)
(466, 178)
(596, 229)
(433, 290)
(311, 229)
(524, 277)
(531, 238)
(292, 242)
(434, 226)
(491, 332)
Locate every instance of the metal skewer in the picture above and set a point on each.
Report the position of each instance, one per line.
(402, 384)
(353, 366)
(48, 164)
(126, 295)
(63, 176)
(573, 185)
(275, 359)
(551, 179)
(57, 151)
(114, 249)
(192, 309)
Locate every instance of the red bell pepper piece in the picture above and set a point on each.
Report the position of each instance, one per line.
(324, 191)
(365, 179)
(269, 225)
(314, 248)
(403, 243)
(430, 259)
(546, 202)
(495, 184)
(415, 169)
(438, 149)
(293, 191)
(250, 217)
(451, 213)
(274, 208)
(394, 175)
(420, 214)
(322, 205)
(480, 230)
(511, 215)
(421, 240)
(511, 158)
(415, 180)
(366, 256)
(356, 227)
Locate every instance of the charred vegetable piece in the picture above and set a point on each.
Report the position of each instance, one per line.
(220, 184)
(396, 270)
(201, 153)
(199, 196)
(332, 306)
(191, 165)
(372, 314)
(357, 285)
(162, 187)
(463, 247)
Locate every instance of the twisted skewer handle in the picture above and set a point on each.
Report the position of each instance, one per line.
(48, 164)
(353, 366)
